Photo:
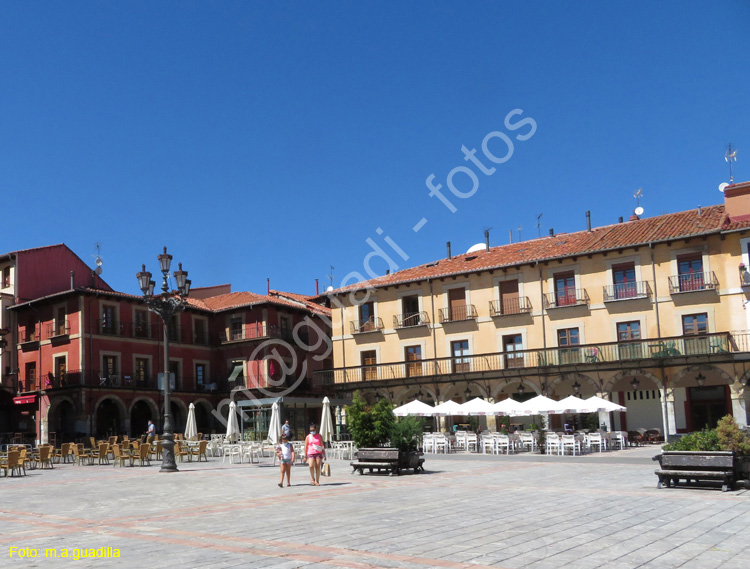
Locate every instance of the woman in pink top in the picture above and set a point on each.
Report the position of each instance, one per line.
(315, 453)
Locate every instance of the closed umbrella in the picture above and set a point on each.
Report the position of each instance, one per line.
(326, 424)
(415, 407)
(191, 429)
(274, 427)
(233, 428)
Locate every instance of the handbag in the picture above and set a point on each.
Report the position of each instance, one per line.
(325, 470)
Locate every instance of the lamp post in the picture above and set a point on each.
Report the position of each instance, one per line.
(166, 305)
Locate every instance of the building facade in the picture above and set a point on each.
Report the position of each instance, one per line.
(650, 313)
(87, 360)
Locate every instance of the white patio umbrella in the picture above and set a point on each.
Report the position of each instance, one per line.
(447, 408)
(599, 404)
(233, 427)
(573, 404)
(191, 429)
(509, 407)
(477, 406)
(274, 426)
(415, 407)
(326, 424)
(540, 405)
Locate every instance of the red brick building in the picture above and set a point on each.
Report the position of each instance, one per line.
(86, 359)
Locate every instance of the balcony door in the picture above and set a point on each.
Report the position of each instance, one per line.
(460, 352)
(413, 357)
(410, 310)
(626, 332)
(690, 272)
(367, 316)
(695, 328)
(512, 344)
(623, 277)
(565, 338)
(509, 301)
(368, 360)
(565, 288)
(457, 304)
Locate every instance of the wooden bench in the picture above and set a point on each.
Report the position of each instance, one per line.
(381, 459)
(695, 466)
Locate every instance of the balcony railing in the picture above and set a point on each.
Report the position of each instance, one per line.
(509, 306)
(249, 331)
(410, 319)
(627, 291)
(641, 352)
(109, 327)
(372, 324)
(29, 334)
(571, 297)
(55, 329)
(693, 282)
(457, 313)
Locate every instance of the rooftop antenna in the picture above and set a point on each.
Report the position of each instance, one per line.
(729, 157)
(539, 225)
(519, 233)
(98, 256)
(638, 195)
(330, 275)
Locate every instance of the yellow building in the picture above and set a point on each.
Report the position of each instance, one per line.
(650, 313)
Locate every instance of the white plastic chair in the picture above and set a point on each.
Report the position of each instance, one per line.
(570, 443)
(472, 442)
(528, 441)
(502, 441)
(595, 440)
(553, 443)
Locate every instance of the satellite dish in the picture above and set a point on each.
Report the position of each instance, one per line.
(722, 187)
(638, 211)
(329, 289)
(99, 270)
(477, 247)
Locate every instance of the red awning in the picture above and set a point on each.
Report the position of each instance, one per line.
(24, 399)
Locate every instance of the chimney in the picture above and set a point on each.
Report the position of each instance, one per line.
(737, 201)
(619, 220)
(486, 239)
(317, 288)
(511, 236)
(588, 220)
(268, 285)
(551, 232)
(72, 280)
(448, 245)
(633, 217)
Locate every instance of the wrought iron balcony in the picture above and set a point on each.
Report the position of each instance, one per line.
(457, 313)
(372, 324)
(248, 331)
(28, 334)
(693, 282)
(109, 327)
(509, 306)
(410, 319)
(592, 357)
(571, 297)
(55, 329)
(627, 291)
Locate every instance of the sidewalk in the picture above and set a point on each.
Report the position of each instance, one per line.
(531, 511)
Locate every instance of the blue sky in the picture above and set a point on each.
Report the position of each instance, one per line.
(272, 139)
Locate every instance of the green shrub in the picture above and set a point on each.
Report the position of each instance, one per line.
(731, 437)
(705, 440)
(374, 426)
(406, 432)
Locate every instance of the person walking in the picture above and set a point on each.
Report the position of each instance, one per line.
(285, 452)
(286, 430)
(150, 432)
(315, 453)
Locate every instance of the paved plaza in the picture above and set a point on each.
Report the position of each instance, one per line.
(525, 511)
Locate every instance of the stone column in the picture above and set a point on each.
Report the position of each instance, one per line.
(669, 418)
(739, 403)
(491, 419)
(605, 418)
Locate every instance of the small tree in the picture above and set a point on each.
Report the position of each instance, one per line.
(370, 426)
(731, 437)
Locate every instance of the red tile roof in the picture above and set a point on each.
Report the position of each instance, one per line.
(668, 227)
(235, 300)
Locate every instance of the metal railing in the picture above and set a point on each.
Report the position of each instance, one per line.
(410, 319)
(58, 329)
(109, 327)
(249, 331)
(645, 352)
(509, 306)
(28, 334)
(457, 313)
(693, 282)
(571, 297)
(372, 324)
(627, 291)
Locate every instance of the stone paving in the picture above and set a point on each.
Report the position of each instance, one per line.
(524, 511)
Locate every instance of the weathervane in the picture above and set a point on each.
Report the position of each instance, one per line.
(729, 157)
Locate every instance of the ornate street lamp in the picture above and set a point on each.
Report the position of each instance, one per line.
(577, 387)
(467, 394)
(521, 388)
(635, 383)
(166, 305)
(701, 379)
(420, 395)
